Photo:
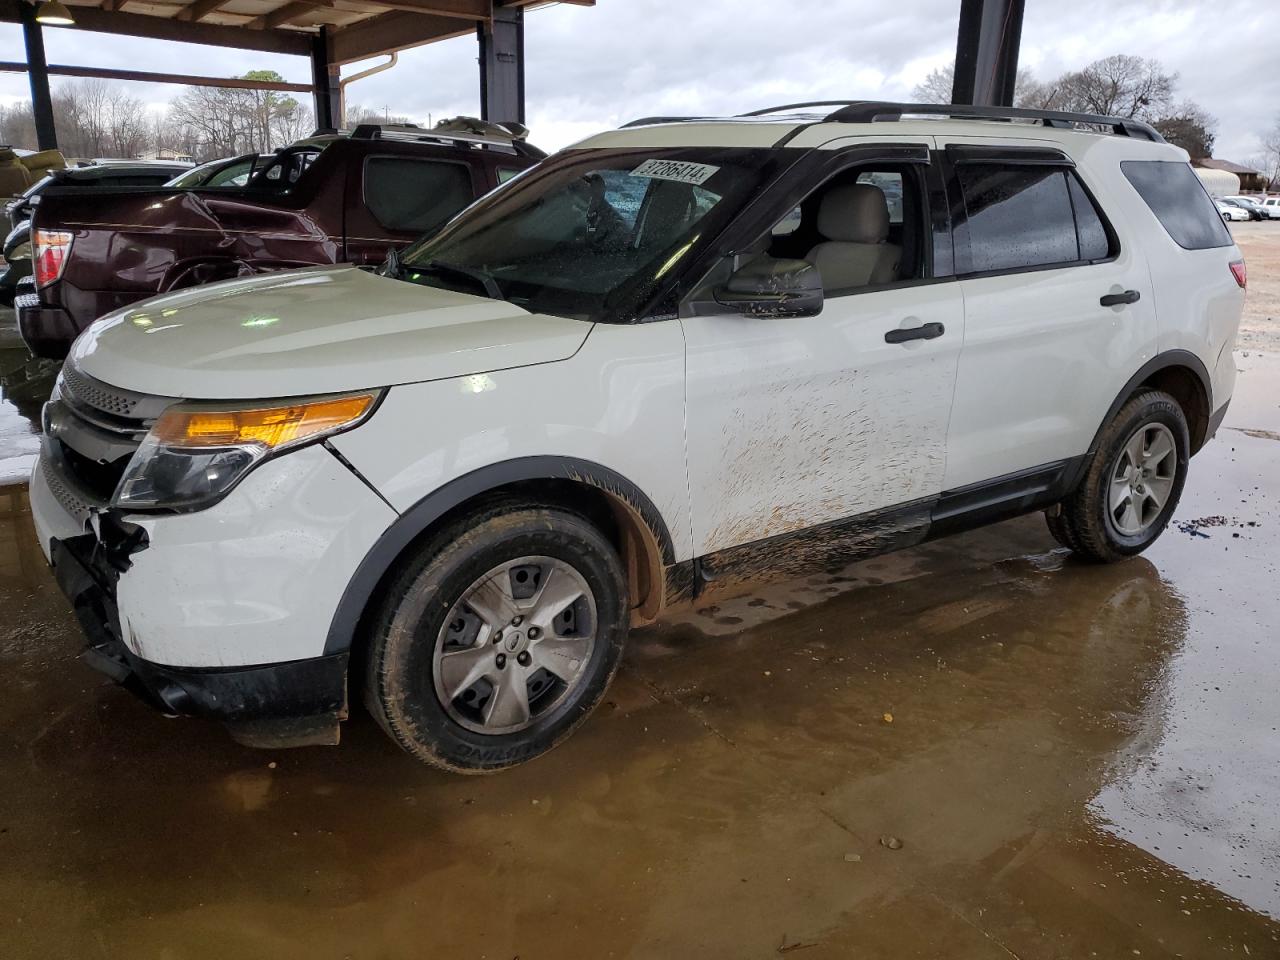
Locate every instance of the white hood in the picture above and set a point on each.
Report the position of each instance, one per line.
(316, 330)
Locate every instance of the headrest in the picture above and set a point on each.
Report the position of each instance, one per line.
(854, 213)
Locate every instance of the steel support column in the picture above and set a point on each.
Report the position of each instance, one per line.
(38, 74)
(325, 84)
(987, 52)
(502, 65)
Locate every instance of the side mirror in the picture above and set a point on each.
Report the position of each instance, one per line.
(766, 287)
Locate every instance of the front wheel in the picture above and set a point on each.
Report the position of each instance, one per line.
(498, 639)
(1132, 486)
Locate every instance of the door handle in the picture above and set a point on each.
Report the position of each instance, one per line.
(930, 331)
(1115, 299)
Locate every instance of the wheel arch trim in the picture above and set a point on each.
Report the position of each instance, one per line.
(1161, 361)
(411, 523)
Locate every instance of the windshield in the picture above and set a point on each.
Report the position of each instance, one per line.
(592, 233)
(216, 173)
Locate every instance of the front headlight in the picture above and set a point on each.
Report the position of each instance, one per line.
(196, 452)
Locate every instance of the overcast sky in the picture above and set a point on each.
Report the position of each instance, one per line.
(593, 68)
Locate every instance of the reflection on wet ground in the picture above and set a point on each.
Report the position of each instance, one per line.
(24, 387)
(976, 749)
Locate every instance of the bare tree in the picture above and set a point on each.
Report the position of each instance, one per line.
(356, 114)
(938, 85)
(17, 126)
(1190, 126)
(1119, 86)
(1269, 161)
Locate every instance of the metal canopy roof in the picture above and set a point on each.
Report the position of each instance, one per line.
(354, 29)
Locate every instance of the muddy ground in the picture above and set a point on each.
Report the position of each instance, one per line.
(1260, 243)
(974, 749)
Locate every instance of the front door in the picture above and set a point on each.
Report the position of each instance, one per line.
(798, 422)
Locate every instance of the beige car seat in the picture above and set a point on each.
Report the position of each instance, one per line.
(854, 218)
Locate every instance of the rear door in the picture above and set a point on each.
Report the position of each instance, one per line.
(1058, 308)
(393, 198)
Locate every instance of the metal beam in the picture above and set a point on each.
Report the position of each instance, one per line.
(987, 52)
(148, 76)
(38, 74)
(287, 14)
(462, 9)
(197, 11)
(161, 28)
(502, 66)
(393, 31)
(326, 87)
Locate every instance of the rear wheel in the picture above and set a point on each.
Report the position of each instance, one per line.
(498, 638)
(1133, 484)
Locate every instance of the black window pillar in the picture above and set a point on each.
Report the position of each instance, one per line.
(987, 52)
(325, 84)
(38, 74)
(502, 66)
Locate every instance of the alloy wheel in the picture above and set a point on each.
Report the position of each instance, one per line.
(1142, 480)
(515, 645)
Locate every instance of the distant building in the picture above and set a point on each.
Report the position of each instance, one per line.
(1250, 180)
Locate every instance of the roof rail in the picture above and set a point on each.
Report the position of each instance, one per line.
(646, 121)
(385, 131)
(870, 111)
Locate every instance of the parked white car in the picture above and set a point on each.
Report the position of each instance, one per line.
(630, 373)
(1252, 205)
(1231, 211)
(1270, 207)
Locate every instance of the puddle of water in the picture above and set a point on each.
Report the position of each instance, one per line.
(1197, 788)
(20, 401)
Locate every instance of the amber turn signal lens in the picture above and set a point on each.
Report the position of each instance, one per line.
(270, 427)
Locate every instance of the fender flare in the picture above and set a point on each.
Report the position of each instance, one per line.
(1161, 361)
(413, 521)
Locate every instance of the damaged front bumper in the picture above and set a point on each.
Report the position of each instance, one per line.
(298, 703)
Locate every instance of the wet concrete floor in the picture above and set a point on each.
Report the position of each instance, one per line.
(24, 386)
(975, 749)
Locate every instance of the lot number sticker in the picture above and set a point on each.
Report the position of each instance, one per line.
(680, 171)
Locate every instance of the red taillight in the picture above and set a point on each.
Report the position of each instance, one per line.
(1238, 271)
(52, 247)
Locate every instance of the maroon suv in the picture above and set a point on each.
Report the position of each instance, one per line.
(329, 199)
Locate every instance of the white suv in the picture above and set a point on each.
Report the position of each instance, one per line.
(680, 352)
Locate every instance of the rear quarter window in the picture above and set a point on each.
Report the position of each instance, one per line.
(1178, 199)
(415, 195)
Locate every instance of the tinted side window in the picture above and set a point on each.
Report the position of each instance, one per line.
(237, 174)
(1016, 216)
(1095, 244)
(1178, 199)
(415, 196)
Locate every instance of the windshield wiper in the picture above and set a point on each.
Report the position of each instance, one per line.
(489, 284)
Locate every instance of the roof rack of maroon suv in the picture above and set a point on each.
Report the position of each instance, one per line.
(480, 140)
(871, 111)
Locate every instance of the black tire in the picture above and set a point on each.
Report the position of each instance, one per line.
(1085, 524)
(400, 686)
